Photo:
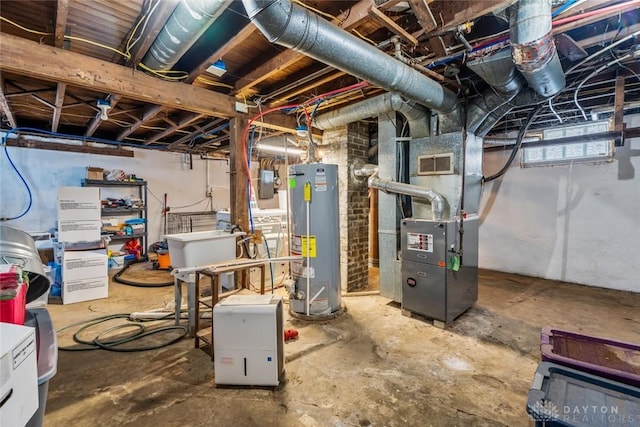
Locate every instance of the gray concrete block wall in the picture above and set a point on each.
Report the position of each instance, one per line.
(343, 146)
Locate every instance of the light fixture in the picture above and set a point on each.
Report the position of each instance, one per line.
(584, 149)
(276, 149)
(104, 106)
(218, 68)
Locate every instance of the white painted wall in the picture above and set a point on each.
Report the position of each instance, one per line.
(575, 223)
(167, 173)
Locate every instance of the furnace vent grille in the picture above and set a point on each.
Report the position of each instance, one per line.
(435, 164)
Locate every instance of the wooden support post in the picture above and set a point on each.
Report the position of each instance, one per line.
(238, 172)
(618, 112)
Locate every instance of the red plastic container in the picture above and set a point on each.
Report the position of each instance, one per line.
(619, 361)
(9, 276)
(12, 310)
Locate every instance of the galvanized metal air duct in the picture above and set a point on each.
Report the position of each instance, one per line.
(532, 46)
(435, 199)
(18, 247)
(299, 29)
(416, 115)
(187, 23)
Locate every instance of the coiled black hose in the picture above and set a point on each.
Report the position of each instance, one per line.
(113, 345)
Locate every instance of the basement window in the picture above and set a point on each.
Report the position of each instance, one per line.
(583, 150)
(435, 164)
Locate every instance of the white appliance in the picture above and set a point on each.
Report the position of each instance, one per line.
(248, 340)
(18, 374)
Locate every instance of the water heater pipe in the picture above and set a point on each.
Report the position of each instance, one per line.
(436, 199)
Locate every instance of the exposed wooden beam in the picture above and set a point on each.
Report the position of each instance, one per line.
(94, 124)
(224, 49)
(6, 108)
(450, 14)
(156, 22)
(238, 175)
(391, 25)
(389, 4)
(279, 62)
(201, 130)
(357, 15)
(306, 88)
(62, 12)
(283, 123)
(148, 114)
(354, 17)
(185, 121)
(75, 104)
(58, 146)
(57, 108)
(27, 92)
(28, 58)
(43, 101)
(423, 13)
(618, 112)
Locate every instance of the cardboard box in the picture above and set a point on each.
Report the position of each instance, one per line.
(84, 276)
(95, 173)
(79, 210)
(19, 379)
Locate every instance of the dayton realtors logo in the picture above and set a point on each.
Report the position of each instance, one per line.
(582, 414)
(597, 415)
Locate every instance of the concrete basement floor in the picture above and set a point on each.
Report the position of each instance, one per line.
(371, 366)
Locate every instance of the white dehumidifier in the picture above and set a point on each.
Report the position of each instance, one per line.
(248, 340)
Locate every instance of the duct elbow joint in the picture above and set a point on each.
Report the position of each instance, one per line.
(437, 206)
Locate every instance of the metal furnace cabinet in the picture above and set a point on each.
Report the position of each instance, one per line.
(248, 340)
(439, 267)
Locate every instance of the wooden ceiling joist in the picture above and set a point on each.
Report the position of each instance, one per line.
(392, 26)
(184, 122)
(32, 59)
(282, 60)
(148, 114)
(62, 12)
(199, 131)
(27, 93)
(423, 13)
(157, 21)
(25, 142)
(57, 108)
(229, 46)
(155, 24)
(283, 99)
(358, 14)
(453, 13)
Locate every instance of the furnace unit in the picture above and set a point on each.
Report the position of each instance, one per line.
(439, 267)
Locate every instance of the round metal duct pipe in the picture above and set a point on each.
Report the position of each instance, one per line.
(299, 29)
(533, 48)
(17, 247)
(183, 28)
(416, 115)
